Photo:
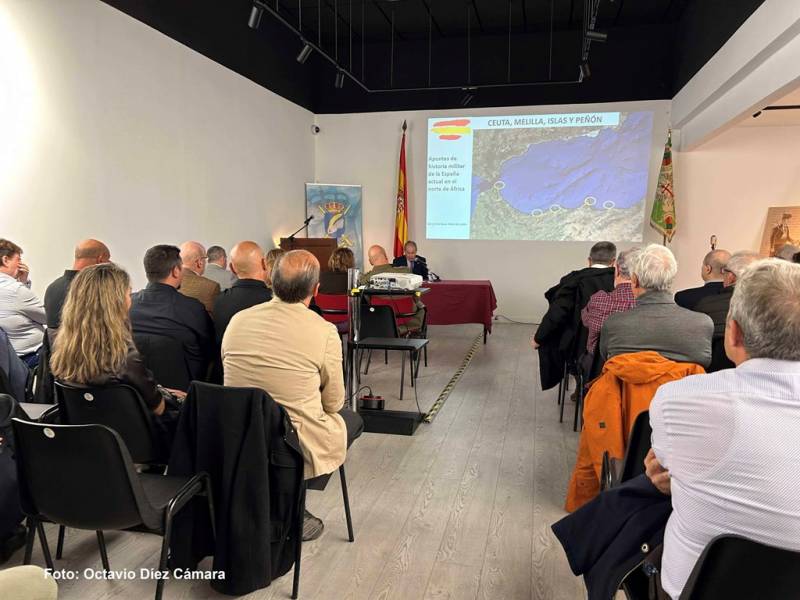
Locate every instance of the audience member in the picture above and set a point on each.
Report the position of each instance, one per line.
(216, 269)
(556, 338)
(159, 309)
(87, 253)
(22, 314)
(271, 258)
(380, 264)
(722, 442)
(780, 236)
(657, 323)
(415, 263)
(787, 252)
(95, 343)
(250, 266)
(334, 281)
(716, 306)
(796, 257)
(602, 304)
(296, 357)
(194, 285)
(712, 274)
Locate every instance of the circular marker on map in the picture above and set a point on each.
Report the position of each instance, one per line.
(499, 185)
(537, 212)
(609, 204)
(554, 208)
(590, 201)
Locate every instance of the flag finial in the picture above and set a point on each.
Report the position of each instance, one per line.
(405, 126)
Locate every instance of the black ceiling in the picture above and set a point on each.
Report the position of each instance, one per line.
(654, 47)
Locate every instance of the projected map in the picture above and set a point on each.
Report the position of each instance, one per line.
(577, 177)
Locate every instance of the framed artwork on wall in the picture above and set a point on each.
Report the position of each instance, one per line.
(336, 209)
(782, 228)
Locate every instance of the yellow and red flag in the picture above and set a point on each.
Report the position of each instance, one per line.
(401, 215)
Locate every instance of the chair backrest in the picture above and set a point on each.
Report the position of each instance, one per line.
(732, 566)
(165, 357)
(333, 307)
(377, 321)
(638, 446)
(80, 476)
(117, 406)
(400, 304)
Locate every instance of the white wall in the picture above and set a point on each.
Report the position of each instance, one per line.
(725, 187)
(363, 149)
(112, 130)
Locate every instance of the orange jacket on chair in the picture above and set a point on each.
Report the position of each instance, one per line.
(624, 389)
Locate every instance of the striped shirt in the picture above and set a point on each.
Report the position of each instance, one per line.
(729, 440)
(21, 315)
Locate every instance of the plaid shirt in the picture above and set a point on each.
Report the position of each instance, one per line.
(603, 304)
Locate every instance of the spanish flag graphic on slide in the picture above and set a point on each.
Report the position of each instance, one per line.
(451, 130)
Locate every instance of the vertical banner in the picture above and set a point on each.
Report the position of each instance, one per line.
(337, 214)
(662, 218)
(401, 213)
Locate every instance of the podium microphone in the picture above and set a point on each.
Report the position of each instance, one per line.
(305, 224)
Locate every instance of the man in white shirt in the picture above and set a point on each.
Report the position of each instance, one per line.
(22, 314)
(723, 444)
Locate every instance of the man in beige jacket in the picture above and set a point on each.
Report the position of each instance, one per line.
(194, 285)
(295, 355)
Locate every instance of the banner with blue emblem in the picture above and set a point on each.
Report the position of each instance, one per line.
(337, 214)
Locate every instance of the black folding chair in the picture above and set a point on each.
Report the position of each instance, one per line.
(166, 359)
(734, 567)
(82, 476)
(615, 471)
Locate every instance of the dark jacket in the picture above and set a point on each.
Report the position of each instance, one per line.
(244, 293)
(689, 298)
(561, 334)
(716, 306)
(136, 375)
(15, 371)
(160, 309)
(54, 298)
(333, 282)
(246, 443)
(604, 539)
(420, 265)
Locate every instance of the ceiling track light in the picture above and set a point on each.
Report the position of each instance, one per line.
(304, 53)
(469, 95)
(255, 16)
(596, 36)
(339, 81)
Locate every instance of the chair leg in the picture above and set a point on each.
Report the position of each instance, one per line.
(577, 420)
(60, 545)
(298, 552)
(29, 537)
(425, 354)
(402, 373)
(45, 546)
(101, 542)
(411, 366)
(560, 390)
(162, 561)
(346, 499)
(369, 359)
(386, 357)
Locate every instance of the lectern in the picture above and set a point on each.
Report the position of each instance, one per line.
(322, 248)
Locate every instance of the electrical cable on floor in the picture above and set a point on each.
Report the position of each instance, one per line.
(497, 317)
(437, 406)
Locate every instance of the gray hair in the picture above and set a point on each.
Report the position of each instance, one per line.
(215, 253)
(717, 259)
(295, 275)
(766, 305)
(603, 253)
(787, 252)
(655, 267)
(739, 261)
(624, 261)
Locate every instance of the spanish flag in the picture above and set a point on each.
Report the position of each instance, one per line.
(401, 214)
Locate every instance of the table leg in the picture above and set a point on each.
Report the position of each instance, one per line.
(484, 334)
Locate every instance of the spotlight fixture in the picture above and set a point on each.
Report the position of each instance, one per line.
(596, 36)
(586, 72)
(304, 53)
(255, 16)
(469, 96)
(339, 81)
(756, 115)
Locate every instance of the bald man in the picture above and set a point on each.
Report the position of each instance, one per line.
(380, 264)
(250, 266)
(87, 253)
(296, 357)
(194, 285)
(712, 273)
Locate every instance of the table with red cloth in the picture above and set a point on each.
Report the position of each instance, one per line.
(460, 301)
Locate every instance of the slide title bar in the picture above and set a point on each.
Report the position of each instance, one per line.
(596, 119)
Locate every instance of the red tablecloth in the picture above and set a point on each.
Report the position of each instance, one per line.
(460, 301)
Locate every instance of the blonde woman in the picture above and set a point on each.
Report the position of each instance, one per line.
(335, 280)
(94, 345)
(271, 258)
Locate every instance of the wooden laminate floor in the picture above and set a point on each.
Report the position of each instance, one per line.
(461, 510)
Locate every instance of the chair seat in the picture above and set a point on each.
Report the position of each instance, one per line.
(377, 343)
(160, 489)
